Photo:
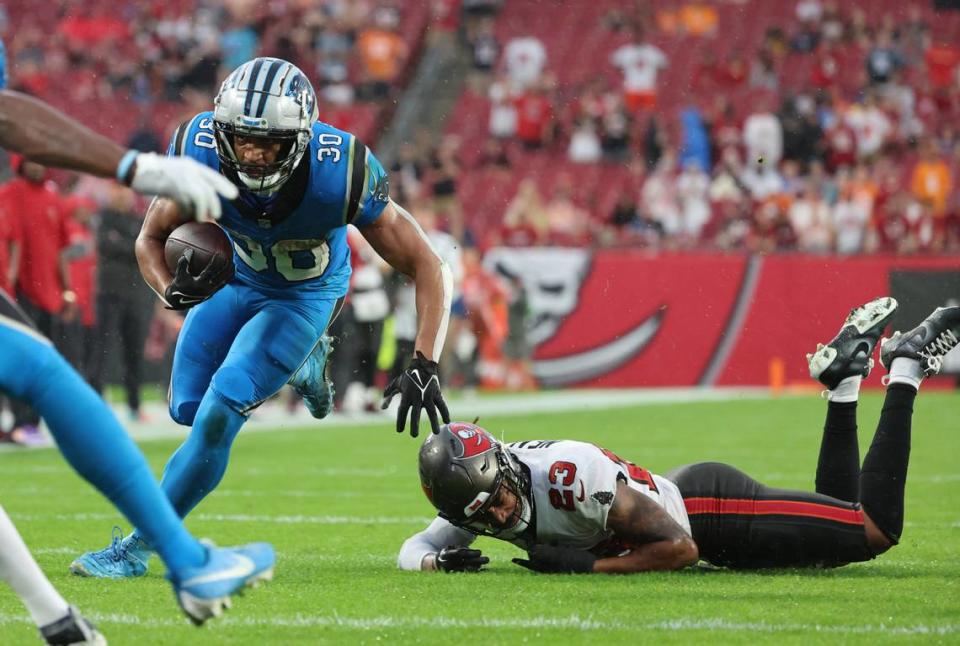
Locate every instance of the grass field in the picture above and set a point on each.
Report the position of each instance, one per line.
(338, 502)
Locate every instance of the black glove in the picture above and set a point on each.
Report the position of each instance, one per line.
(460, 559)
(418, 387)
(551, 559)
(187, 290)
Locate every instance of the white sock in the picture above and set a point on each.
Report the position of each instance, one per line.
(905, 371)
(847, 390)
(18, 568)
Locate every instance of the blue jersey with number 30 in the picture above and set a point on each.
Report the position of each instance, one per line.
(307, 249)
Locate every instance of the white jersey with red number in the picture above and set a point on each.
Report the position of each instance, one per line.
(573, 485)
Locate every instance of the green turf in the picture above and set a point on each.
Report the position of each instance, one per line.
(350, 496)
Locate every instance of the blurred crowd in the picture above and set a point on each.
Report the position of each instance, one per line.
(154, 61)
(830, 131)
(836, 134)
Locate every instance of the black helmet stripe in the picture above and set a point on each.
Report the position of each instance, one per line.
(251, 84)
(275, 67)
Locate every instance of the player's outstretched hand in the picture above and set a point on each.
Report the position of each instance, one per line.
(551, 559)
(460, 559)
(190, 184)
(187, 290)
(419, 388)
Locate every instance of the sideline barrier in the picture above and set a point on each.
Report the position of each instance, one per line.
(625, 318)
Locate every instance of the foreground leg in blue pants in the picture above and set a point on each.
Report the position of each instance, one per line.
(94, 443)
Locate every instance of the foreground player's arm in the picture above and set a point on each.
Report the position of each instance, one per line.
(45, 135)
(660, 542)
(419, 552)
(399, 240)
(163, 216)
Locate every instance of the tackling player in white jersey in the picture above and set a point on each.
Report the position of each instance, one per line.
(541, 493)
(575, 507)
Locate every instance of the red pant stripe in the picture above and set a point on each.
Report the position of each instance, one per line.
(746, 507)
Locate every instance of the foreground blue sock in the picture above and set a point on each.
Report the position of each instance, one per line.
(94, 443)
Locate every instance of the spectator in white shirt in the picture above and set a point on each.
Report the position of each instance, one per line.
(659, 196)
(693, 185)
(809, 216)
(640, 63)
(525, 59)
(763, 136)
(850, 219)
(762, 180)
(870, 126)
(503, 110)
(584, 145)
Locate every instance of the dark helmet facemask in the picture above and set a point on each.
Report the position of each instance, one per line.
(482, 523)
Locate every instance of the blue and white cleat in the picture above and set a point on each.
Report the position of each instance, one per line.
(311, 381)
(124, 558)
(204, 592)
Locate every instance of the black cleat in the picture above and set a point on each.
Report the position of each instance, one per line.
(849, 353)
(927, 343)
(72, 629)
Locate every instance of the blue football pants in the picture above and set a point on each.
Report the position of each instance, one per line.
(235, 350)
(92, 440)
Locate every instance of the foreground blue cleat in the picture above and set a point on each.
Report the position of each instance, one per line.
(204, 591)
(311, 382)
(124, 558)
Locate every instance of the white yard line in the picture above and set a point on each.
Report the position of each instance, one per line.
(297, 519)
(274, 416)
(575, 622)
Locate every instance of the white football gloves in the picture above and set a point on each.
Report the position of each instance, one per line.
(190, 184)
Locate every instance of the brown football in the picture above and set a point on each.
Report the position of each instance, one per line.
(207, 241)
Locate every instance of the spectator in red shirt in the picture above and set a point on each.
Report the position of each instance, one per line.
(942, 59)
(10, 243)
(534, 117)
(85, 27)
(826, 68)
(79, 333)
(41, 279)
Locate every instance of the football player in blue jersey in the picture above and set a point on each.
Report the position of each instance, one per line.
(33, 371)
(301, 182)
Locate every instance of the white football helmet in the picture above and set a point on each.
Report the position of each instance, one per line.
(268, 98)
